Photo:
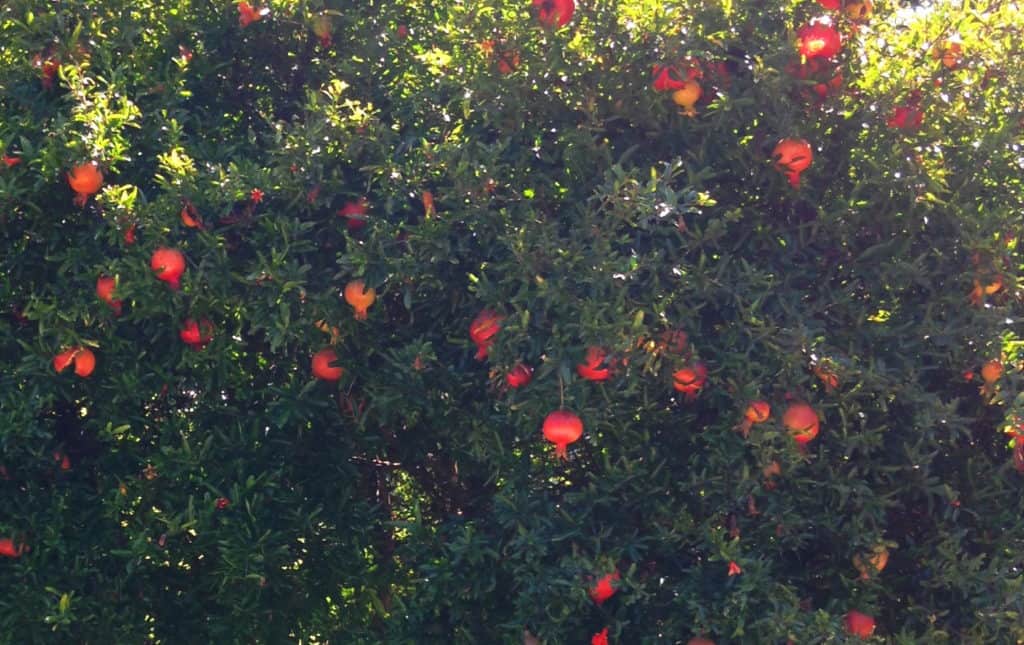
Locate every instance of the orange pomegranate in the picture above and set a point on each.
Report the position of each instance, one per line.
(871, 563)
(859, 625)
(82, 358)
(85, 179)
(359, 297)
(323, 365)
(756, 412)
(482, 331)
(169, 265)
(690, 380)
(519, 376)
(105, 286)
(859, 10)
(802, 422)
(248, 14)
(826, 376)
(950, 52)
(687, 96)
(595, 365)
(605, 588)
(792, 157)
(991, 371)
(561, 428)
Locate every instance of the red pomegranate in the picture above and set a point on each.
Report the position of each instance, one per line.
(561, 428)
(105, 286)
(604, 589)
(818, 41)
(554, 13)
(859, 625)
(82, 358)
(482, 331)
(169, 265)
(85, 179)
(355, 214)
(595, 365)
(196, 334)
(324, 367)
(10, 549)
(756, 412)
(600, 638)
(690, 380)
(792, 157)
(519, 376)
(802, 422)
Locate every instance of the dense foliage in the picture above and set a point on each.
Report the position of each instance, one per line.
(596, 201)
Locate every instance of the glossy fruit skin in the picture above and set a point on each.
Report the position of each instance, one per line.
(360, 298)
(561, 428)
(169, 265)
(322, 368)
(792, 157)
(105, 286)
(818, 41)
(482, 331)
(554, 13)
(594, 366)
(600, 638)
(858, 624)
(802, 422)
(86, 180)
(519, 376)
(604, 589)
(831, 5)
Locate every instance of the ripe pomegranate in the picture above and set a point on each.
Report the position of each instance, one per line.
(802, 422)
(690, 380)
(600, 638)
(247, 14)
(190, 215)
(792, 157)
(355, 214)
(859, 625)
(831, 5)
(595, 365)
(561, 428)
(357, 295)
(10, 549)
(554, 13)
(734, 569)
(907, 117)
(519, 376)
(818, 41)
(85, 179)
(62, 459)
(871, 563)
(169, 265)
(687, 96)
(950, 52)
(105, 286)
(991, 371)
(756, 412)
(667, 78)
(826, 376)
(323, 365)
(82, 358)
(482, 331)
(196, 334)
(604, 589)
